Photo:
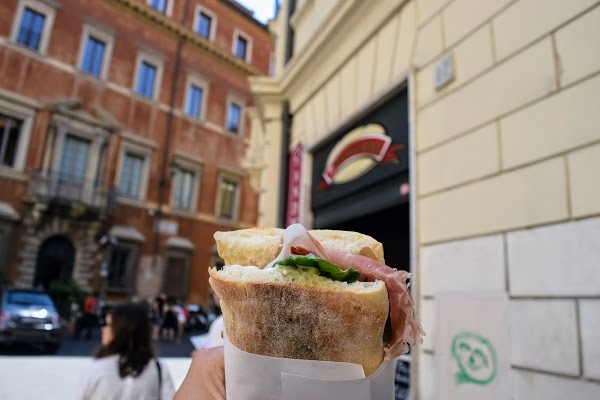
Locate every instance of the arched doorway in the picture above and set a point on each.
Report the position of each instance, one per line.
(54, 261)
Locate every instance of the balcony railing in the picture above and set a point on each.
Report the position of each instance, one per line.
(69, 189)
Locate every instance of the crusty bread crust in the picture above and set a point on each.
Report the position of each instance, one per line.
(259, 246)
(290, 320)
(253, 246)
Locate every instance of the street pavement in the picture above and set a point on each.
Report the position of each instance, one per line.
(26, 373)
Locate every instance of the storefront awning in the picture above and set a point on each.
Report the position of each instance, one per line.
(180, 243)
(8, 212)
(127, 233)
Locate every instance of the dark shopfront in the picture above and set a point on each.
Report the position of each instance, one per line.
(360, 178)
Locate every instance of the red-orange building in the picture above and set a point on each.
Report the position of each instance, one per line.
(123, 125)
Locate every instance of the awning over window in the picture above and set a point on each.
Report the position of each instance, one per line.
(180, 243)
(127, 233)
(8, 212)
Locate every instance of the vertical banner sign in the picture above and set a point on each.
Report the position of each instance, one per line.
(294, 185)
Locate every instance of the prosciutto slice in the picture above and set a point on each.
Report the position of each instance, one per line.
(406, 329)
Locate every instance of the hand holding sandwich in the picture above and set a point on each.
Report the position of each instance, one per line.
(206, 377)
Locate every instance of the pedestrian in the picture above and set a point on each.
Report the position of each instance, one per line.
(89, 319)
(182, 317)
(158, 310)
(169, 325)
(125, 366)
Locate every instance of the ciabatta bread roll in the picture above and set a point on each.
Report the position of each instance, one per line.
(303, 312)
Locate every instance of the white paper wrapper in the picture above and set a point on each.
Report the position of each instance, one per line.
(254, 377)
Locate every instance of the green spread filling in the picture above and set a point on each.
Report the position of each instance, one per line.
(324, 267)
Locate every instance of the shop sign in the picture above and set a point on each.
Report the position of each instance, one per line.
(357, 153)
(294, 185)
(359, 169)
(168, 227)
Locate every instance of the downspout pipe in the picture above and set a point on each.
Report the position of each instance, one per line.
(164, 170)
(286, 134)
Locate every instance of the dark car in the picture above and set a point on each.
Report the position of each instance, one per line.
(29, 316)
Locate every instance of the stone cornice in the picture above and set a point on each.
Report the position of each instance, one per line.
(150, 16)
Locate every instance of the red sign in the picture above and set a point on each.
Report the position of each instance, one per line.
(294, 186)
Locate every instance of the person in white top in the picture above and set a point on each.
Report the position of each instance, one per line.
(125, 366)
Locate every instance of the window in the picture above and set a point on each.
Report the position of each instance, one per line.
(241, 48)
(203, 27)
(117, 270)
(193, 102)
(183, 193)
(175, 279)
(71, 180)
(32, 24)
(92, 60)
(234, 113)
(159, 5)
(228, 192)
(132, 170)
(10, 131)
(242, 45)
(95, 51)
(205, 23)
(146, 78)
(73, 163)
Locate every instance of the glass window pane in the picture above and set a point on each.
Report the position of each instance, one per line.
(228, 191)
(159, 5)
(73, 163)
(194, 101)
(10, 131)
(92, 60)
(233, 117)
(240, 48)
(131, 175)
(145, 83)
(184, 187)
(30, 31)
(117, 271)
(204, 22)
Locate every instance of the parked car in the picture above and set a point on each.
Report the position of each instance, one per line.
(29, 316)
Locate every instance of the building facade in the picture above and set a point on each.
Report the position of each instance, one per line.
(123, 127)
(464, 136)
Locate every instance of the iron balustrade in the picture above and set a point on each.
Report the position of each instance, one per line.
(71, 189)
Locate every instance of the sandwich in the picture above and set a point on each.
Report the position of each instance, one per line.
(316, 295)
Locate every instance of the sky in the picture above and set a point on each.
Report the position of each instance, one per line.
(263, 9)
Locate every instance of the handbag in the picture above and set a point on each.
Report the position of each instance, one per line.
(159, 378)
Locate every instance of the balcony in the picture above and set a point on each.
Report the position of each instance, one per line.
(79, 195)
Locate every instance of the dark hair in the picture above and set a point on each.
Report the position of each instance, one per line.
(132, 339)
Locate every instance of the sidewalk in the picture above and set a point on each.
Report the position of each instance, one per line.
(57, 378)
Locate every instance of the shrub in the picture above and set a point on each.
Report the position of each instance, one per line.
(65, 294)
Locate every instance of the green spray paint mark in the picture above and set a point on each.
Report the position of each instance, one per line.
(475, 357)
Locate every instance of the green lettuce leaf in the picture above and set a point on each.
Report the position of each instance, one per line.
(325, 268)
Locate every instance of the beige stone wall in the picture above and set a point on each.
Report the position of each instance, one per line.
(506, 160)
(507, 156)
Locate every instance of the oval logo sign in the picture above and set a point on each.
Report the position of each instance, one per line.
(357, 153)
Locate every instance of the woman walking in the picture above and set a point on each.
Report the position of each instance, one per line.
(125, 366)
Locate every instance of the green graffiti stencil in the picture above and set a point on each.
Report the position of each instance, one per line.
(475, 357)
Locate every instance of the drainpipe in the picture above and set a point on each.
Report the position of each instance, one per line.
(286, 133)
(164, 170)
